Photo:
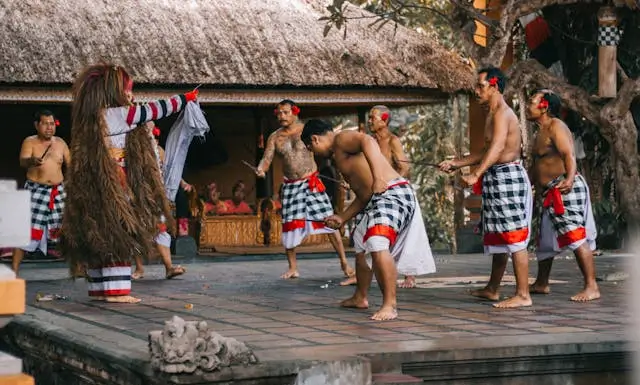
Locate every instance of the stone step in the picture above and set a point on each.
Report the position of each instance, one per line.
(394, 379)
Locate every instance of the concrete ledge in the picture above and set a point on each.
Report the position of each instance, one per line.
(55, 351)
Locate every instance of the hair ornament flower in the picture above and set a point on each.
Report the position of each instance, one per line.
(156, 132)
(385, 116)
(544, 103)
(493, 81)
(57, 123)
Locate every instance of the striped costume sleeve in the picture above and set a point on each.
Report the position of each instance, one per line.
(155, 110)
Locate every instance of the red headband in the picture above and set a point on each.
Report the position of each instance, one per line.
(295, 110)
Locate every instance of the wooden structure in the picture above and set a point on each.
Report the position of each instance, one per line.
(248, 55)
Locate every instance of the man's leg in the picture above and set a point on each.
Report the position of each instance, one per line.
(491, 291)
(384, 268)
(293, 265)
(171, 271)
(336, 242)
(541, 285)
(521, 269)
(584, 257)
(16, 259)
(364, 275)
(139, 271)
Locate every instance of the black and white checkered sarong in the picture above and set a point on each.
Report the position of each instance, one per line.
(393, 208)
(47, 206)
(299, 202)
(505, 193)
(574, 203)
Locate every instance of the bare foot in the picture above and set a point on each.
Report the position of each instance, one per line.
(355, 302)
(537, 288)
(486, 293)
(348, 271)
(386, 313)
(588, 294)
(290, 274)
(349, 281)
(514, 302)
(408, 283)
(138, 274)
(122, 299)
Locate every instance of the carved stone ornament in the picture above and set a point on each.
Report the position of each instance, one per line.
(190, 347)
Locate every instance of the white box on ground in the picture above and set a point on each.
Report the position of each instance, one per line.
(15, 215)
(9, 365)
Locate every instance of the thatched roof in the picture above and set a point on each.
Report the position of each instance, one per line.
(237, 43)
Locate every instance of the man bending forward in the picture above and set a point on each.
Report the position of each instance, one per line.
(390, 230)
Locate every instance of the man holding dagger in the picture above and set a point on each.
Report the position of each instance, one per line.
(43, 155)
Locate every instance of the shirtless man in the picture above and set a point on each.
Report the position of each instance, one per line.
(507, 200)
(391, 230)
(43, 155)
(305, 204)
(391, 148)
(567, 221)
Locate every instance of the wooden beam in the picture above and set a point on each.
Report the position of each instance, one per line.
(257, 97)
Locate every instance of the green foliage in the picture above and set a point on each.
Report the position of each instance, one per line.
(430, 138)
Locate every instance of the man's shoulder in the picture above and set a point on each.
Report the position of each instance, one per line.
(59, 140)
(558, 124)
(30, 139)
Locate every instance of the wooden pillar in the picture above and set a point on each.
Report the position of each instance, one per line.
(608, 38)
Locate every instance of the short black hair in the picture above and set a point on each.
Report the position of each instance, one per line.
(38, 115)
(555, 102)
(287, 101)
(493, 72)
(314, 127)
(239, 183)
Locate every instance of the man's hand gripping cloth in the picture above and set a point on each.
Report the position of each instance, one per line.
(393, 221)
(305, 205)
(567, 219)
(47, 207)
(190, 123)
(507, 206)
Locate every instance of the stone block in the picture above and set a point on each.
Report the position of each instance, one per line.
(347, 371)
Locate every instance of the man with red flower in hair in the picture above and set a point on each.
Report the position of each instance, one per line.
(43, 155)
(507, 198)
(305, 203)
(567, 219)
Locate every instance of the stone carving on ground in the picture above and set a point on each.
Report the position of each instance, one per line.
(190, 347)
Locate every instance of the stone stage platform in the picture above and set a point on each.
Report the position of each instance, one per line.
(296, 329)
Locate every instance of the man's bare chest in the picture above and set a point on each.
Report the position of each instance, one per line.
(290, 145)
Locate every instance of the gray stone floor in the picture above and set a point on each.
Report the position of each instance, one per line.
(300, 318)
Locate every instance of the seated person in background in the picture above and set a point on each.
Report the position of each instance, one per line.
(236, 205)
(213, 205)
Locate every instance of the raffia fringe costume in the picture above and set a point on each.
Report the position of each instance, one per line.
(116, 200)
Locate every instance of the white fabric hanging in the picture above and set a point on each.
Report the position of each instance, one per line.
(190, 123)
